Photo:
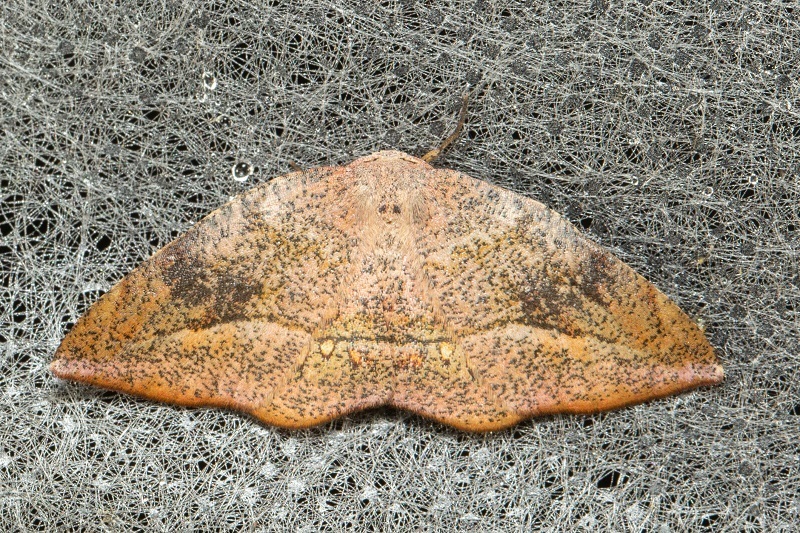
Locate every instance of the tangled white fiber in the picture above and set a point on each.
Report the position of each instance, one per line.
(668, 131)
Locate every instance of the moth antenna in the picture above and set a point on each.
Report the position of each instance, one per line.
(462, 116)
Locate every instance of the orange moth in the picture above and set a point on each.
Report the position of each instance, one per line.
(387, 282)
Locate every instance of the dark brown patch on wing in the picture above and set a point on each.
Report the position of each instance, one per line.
(597, 275)
(186, 275)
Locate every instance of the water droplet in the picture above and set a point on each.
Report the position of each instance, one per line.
(708, 191)
(138, 55)
(209, 81)
(241, 171)
(752, 180)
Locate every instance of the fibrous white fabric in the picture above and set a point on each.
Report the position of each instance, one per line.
(667, 132)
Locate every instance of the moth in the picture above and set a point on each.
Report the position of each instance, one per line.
(387, 282)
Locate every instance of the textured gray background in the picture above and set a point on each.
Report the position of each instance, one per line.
(668, 132)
